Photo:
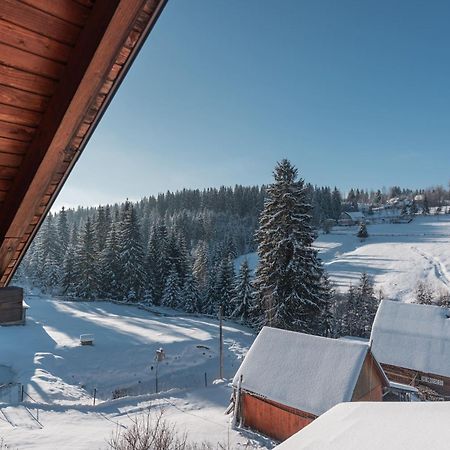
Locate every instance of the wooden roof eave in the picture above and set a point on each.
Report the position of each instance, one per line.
(115, 28)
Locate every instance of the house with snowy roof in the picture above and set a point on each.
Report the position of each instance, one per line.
(374, 426)
(412, 343)
(348, 218)
(288, 379)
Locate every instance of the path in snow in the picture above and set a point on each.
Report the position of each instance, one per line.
(397, 256)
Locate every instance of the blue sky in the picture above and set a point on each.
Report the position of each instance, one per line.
(354, 92)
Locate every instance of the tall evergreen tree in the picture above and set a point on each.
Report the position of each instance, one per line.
(244, 294)
(86, 284)
(172, 295)
(289, 272)
(110, 266)
(190, 295)
(225, 286)
(131, 255)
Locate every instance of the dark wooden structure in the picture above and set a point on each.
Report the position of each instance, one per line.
(12, 311)
(61, 62)
(289, 379)
(280, 421)
(412, 343)
(411, 377)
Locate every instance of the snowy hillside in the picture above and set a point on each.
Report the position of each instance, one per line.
(398, 256)
(60, 375)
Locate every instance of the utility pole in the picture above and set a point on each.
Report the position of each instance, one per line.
(221, 342)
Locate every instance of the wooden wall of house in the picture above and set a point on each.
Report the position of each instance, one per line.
(272, 419)
(438, 383)
(11, 305)
(369, 386)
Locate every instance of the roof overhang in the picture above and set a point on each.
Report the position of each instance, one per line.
(60, 64)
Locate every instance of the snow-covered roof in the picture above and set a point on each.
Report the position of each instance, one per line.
(412, 336)
(306, 372)
(355, 215)
(375, 425)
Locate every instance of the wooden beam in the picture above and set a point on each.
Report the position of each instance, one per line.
(96, 50)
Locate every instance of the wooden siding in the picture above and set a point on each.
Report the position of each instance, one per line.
(439, 383)
(60, 63)
(11, 305)
(272, 419)
(369, 386)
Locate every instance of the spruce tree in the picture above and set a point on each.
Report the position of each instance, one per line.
(225, 285)
(86, 284)
(289, 272)
(362, 231)
(110, 266)
(171, 297)
(244, 294)
(131, 255)
(190, 295)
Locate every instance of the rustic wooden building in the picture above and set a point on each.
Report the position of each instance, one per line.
(412, 343)
(60, 64)
(12, 308)
(288, 379)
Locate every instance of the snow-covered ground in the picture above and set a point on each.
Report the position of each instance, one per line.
(398, 256)
(60, 375)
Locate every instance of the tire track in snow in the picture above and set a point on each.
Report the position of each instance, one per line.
(440, 270)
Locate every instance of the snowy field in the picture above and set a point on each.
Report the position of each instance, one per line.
(60, 375)
(398, 256)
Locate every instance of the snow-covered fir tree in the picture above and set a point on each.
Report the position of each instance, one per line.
(225, 286)
(244, 294)
(362, 231)
(172, 293)
(110, 266)
(288, 278)
(131, 255)
(86, 270)
(190, 295)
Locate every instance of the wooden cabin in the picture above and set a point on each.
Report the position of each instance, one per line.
(412, 343)
(12, 308)
(61, 63)
(349, 218)
(288, 379)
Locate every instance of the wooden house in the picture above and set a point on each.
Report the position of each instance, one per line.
(349, 218)
(61, 63)
(288, 379)
(412, 343)
(12, 308)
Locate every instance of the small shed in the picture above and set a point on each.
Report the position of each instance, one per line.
(289, 379)
(412, 343)
(349, 218)
(375, 426)
(12, 307)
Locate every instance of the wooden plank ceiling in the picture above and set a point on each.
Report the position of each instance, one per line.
(60, 63)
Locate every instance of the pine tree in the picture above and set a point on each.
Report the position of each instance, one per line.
(244, 294)
(368, 304)
(110, 266)
(225, 285)
(362, 232)
(190, 295)
(171, 297)
(327, 316)
(86, 284)
(131, 255)
(289, 271)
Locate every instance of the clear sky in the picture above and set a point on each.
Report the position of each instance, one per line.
(354, 92)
